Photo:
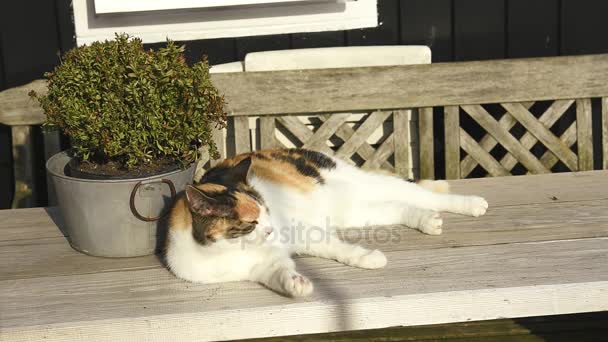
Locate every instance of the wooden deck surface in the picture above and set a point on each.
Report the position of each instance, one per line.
(541, 249)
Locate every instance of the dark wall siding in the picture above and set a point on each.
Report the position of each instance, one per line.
(32, 33)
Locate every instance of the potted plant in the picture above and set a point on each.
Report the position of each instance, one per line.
(136, 120)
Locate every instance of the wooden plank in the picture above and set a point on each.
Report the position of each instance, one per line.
(605, 132)
(318, 139)
(359, 137)
(548, 118)
(569, 138)
(527, 34)
(544, 135)
(382, 153)
(153, 302)
(401, 130)
(52, 146)
(220, 142)
(479, 29)
(268, 139)
(452, 142)
(488, 143)
(440, 84)
(427, 150)
(483, 158)
(23, 165)
(242, 137)
(428, 22)
(301, 132)
(17, 108)
(505, 138)
(584, 132)
(366, 151)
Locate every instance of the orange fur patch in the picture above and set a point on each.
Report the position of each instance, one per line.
(246, 208)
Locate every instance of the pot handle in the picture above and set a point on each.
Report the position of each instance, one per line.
(150, 219)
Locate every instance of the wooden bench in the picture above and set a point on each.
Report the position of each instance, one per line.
(540, 250)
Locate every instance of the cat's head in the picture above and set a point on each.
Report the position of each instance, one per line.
(228, 211)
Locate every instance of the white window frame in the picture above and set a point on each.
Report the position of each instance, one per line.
(223, 22)
(122, 6)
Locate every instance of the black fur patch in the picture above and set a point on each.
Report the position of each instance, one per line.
(318, 159)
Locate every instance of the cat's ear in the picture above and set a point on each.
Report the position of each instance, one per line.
(239, 171)
(203, 204)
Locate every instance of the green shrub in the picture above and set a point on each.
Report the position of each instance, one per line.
(118, 102)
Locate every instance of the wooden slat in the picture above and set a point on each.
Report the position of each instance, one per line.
(584, 132)
(23, 162)
(568, 137)
(327, 129)
(297, 128)
(483, 158)
(605, 132)
(488, 143)
(366, 151)
(543, 134)
(370, 124)
(452, 142)
(242, 136)
(548, 118)
(267, 132)
(52, 145)
(401, 130)
(220, 142)
(382, 153)
(505, 138)
(427, 150)
(17, 108)
(440, 84)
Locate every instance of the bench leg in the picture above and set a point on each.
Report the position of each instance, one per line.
(23, 166)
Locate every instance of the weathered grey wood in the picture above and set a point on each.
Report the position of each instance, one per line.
(23, 166)
(605, 132)
(370, 124)
(220, 142)
(584, 132)
(366, 151)
(52, 146)
(346, 298)
(17, 108)
(438, 84)
(328, 128)
(483, 158)
(267, 132)
(569, 138)
(401, 130)
(548, 118)
(382, 153)
(488, 143)
(452, 142)
(242, 136)
(544, 135)
(427, 150)
(505, 138)
(301, 132)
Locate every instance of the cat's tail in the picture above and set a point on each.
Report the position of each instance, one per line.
(438, 186)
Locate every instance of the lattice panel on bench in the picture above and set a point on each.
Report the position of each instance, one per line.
(502, 148)
(378, 139)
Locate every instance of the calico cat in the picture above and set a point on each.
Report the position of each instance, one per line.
(250, 213)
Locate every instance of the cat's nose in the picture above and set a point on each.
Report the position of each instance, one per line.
(268, 230)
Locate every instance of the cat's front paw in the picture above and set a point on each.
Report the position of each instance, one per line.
(371, 260)
(296, 285)
(478, 206)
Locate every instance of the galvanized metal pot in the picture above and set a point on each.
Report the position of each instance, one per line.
(114, 218)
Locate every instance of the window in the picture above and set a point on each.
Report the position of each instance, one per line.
(157, 20)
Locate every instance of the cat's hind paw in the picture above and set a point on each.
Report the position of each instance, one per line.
(432, 224)
(296, 285)
(371, 260)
